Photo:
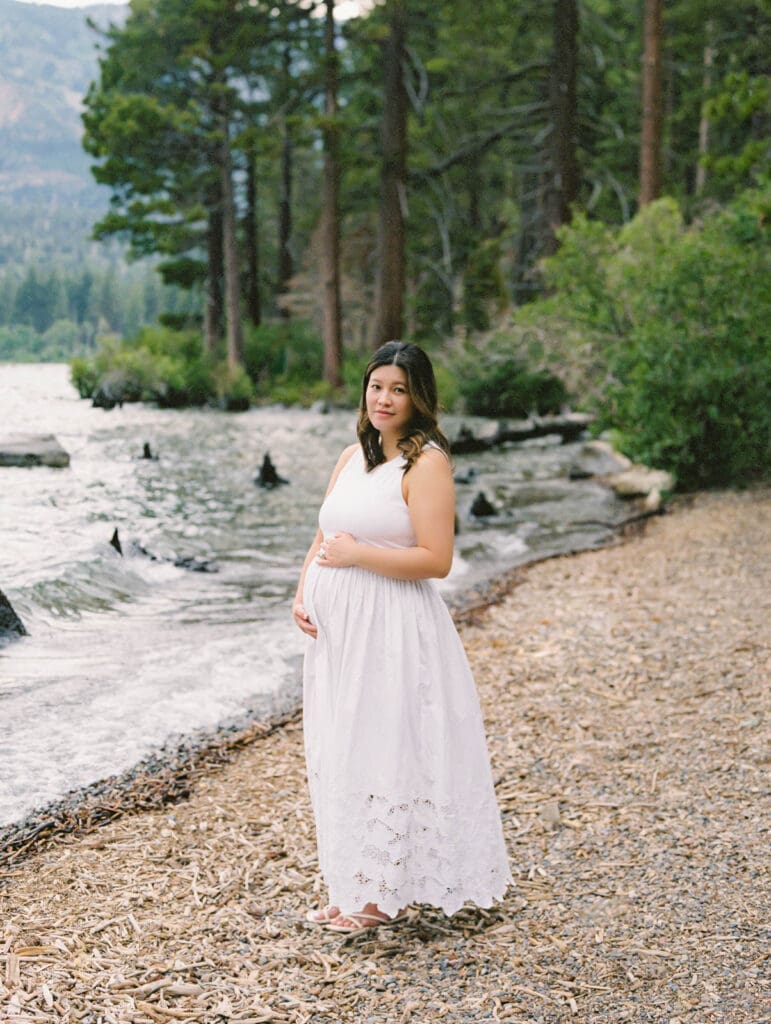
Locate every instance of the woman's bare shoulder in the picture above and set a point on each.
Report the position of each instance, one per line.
(347, 452)
(345, 457)
(431, 465)
(433, 456)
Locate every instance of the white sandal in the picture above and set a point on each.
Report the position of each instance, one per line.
(321, 915)
(357, 923)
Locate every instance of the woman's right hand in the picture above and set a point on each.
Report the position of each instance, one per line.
(302, 619)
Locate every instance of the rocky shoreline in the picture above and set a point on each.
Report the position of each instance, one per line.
(167, 775)
(625, 700)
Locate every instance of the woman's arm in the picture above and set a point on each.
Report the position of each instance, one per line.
(299, 613)
(430, 496)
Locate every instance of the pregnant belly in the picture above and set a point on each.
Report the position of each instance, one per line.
(339, 601)
(321, 591)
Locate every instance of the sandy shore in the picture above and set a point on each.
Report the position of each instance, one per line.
(624, 693)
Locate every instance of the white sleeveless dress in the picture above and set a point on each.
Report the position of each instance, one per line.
(398, 767)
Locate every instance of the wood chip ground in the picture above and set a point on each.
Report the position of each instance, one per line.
(625, 694)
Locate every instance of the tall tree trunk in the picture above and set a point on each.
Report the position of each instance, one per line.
(285, 264)
(562, 187)
(529, 237)
(230, 250)
(651, 134)
(330, 256)
(285, 267)
(389, 301)
(253, 309)
(709, 56)
(213, 311)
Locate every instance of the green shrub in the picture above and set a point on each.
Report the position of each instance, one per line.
(234, 388)
(136, 374)
(283, 352)
(159, 364)
(501, 385)
(690, 388)
(448, 386)
(294, 393)
(84, 376)
(678, 321)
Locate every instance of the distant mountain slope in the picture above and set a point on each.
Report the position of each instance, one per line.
(47, 60)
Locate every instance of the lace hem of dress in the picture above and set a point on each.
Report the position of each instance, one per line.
(414, 851)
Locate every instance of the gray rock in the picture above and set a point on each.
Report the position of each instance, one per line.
(597, 458)
(33, 450)
(640, 481)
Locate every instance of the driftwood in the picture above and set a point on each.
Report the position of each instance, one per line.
(268, 476)
(10, 623)
(182, 561)
(569, 426)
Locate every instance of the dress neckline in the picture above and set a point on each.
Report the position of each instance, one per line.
(386, 462)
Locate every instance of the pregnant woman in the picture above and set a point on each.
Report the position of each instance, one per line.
(397, 761)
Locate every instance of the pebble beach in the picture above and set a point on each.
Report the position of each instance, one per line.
(625, 694)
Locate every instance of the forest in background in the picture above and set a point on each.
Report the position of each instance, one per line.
(314, 189)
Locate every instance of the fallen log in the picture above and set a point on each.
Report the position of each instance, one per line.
(569, 426)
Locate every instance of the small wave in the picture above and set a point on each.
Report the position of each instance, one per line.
(99, 585)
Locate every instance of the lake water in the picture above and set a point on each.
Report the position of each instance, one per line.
(128, 653)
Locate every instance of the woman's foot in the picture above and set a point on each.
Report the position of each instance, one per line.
(323, 915)
(366, 919)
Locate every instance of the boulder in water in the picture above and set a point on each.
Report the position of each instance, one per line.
(33, 450)
(10, 623)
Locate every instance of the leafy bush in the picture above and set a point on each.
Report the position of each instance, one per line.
(501, 385)
(161, 365)
(678, 318)
(304, 394)
(447, 385)
(185, 373)
(84, 376)
(283, 352)
(234, 388)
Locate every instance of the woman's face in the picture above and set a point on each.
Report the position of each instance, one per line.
(389, 405)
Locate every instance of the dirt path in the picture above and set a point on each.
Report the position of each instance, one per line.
(625, 693)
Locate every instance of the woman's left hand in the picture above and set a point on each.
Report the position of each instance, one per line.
(338, 552)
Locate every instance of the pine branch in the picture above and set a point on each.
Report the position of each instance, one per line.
(477, 147)
(487, 83)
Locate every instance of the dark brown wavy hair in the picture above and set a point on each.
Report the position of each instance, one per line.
(421, 386)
